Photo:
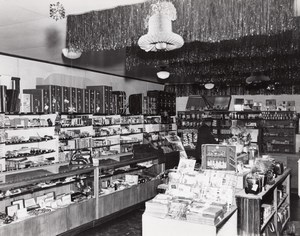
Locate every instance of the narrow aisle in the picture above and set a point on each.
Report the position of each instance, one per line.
(129, 224)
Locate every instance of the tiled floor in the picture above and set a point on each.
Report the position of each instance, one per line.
(131, 223)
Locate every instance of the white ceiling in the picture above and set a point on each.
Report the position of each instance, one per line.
(27, 30)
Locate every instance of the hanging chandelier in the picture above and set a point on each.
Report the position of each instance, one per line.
(160, 35)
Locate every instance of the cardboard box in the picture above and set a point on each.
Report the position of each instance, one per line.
(103, 99)
(37, 99)
(49, 97)
(66, 99)
(3, 98)
(27, 103)
(80, 100)
(86, 107)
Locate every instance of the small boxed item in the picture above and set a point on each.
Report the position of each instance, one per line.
(238, 104)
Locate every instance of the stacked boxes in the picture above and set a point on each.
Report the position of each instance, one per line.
(165, 102)
(150, 106)
(66, 99)
(118, 102)
(86, 101)
(103, 99)
(80, 100)
(49, 97)
(2, 98)
(94, 99)
(37, 99)
(12, 96)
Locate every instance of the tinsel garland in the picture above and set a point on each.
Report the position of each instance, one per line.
(233, 71)
(183, 90)
(197, 20)
(196, 52)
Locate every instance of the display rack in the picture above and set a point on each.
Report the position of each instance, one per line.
(30, 141)
(132, 128)
(221, 157)
(251, 217)
(156, 128)
(107, 134)
(279, 132)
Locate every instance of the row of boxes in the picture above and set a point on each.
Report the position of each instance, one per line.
(3, 98)
(93, 99)
(155, 103)
(165, 102)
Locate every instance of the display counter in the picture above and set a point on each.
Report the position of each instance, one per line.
(170, 227)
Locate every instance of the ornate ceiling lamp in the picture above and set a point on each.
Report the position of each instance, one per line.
(160, 35)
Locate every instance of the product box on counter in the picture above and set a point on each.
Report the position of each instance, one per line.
(37, 99)
(27, 103)
(66, 99)
(99, 106)
(73, 100)
(49, 97)
(2, 98)
(80, 100)
(58, 99)
(103, 98)
(86, 103)
(120, 97)
(92, 100)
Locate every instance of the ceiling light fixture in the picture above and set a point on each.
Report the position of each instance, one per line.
(71, 53)
(57, 11)
(209, 85)
(160, 35)
(163, 74)
(257, 77)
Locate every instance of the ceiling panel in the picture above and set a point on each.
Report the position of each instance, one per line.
(10, 14)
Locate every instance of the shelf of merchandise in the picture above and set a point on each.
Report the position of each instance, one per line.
(250, 206)
(132, 128)
(88, 211)
(283, 124)
(36, 152)
(83, 214)
(110, 124)
(156, 128)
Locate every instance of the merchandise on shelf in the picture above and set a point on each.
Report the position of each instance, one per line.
(198, 197)
(29, 141)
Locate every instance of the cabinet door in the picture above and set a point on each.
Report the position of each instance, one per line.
(80, 213)
(52, 223)
(248, 216)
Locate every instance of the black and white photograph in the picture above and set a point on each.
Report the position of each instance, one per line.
(150, 117)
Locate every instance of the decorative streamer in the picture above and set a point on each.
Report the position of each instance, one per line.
(229, 62)
(197, 20)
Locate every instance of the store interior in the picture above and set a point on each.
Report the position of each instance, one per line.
(149, 117)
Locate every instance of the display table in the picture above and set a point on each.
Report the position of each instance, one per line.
(171, 227)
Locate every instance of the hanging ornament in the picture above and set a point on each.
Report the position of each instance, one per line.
(160, 35)
(57, 11)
